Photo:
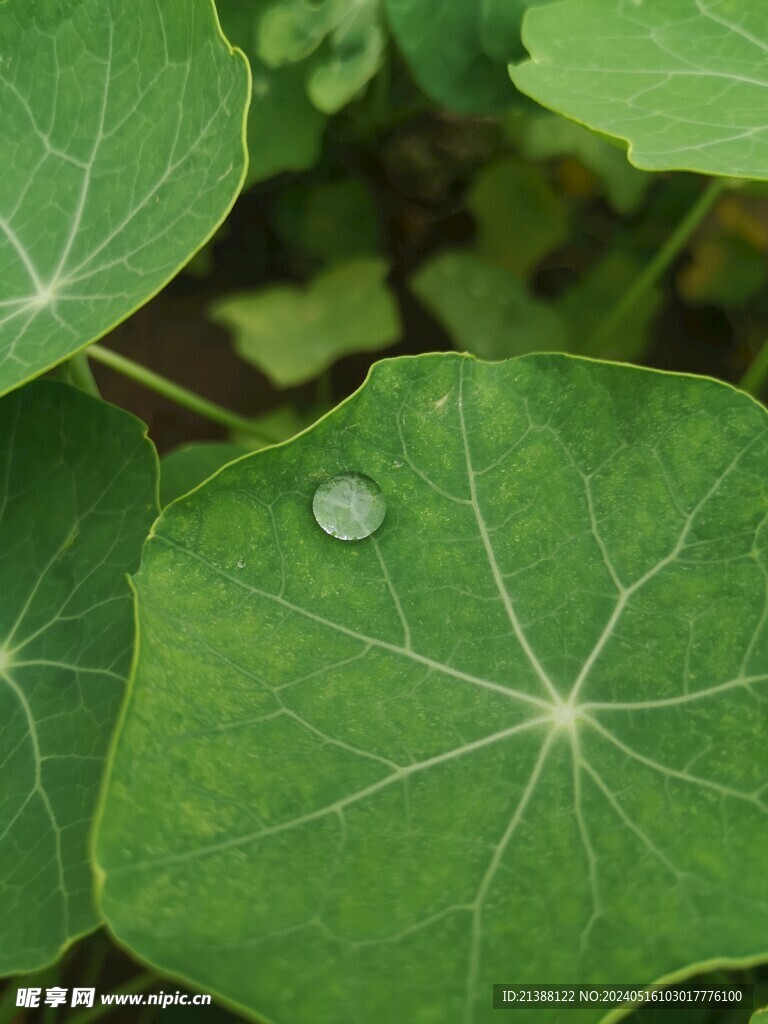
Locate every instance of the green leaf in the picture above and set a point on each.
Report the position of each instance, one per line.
(519, 218)
(345, 36)
(285, 129)
(354, 54)
(584, 306)
(78, 495)
(523, 723)
(549, 135)
(187, 466)
(122, 129)
(293, 334)
(486, 309)
(759, 1017)
(683, 82)
(458, 51)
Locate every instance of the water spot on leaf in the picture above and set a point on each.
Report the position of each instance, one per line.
(350, 506)
(240, 563)
(398, 464)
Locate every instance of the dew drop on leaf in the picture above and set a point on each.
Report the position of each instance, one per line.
(349, 506)
(240, 563)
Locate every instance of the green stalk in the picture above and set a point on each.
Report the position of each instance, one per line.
(754, 379)
(660, 263)
(79, 373)
(176, 393)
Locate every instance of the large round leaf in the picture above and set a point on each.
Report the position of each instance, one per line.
(517, 734)
(121, 128)
(78, 485)
(684, 82)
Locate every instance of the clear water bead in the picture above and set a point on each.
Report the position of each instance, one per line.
(350, 506)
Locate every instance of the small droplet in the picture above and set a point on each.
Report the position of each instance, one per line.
(398, 463)
(240, 563)
(350, 506)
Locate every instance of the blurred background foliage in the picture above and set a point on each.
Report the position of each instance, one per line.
(401, 198)
(397, 203)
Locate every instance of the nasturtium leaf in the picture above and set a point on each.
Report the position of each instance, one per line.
(519, 218)
(458, 51)
(78, 483)
(353, 54)
(187, 466)
(285, 129)
(121, 128)
(293, 334)
(759, 1017)
(683, 82)
(344, 38)
(291, 30)
(523, 723)
(486, 309)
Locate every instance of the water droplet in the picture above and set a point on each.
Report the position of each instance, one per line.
(240, 563)
(349, 506)
(398, 463)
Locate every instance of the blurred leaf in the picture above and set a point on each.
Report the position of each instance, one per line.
(500, 22)
(330, 222)
(682, 81)
(354, 52)
(759, 1016)
(285, 129)
(346, 38)
(519, 218)
(486, 309)
(290, 30)
(458, 50)
(723, 271)
(549, 135)
(584, 305)
(293, 334)
(186, 467)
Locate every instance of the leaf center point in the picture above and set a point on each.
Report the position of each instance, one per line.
(565, 716)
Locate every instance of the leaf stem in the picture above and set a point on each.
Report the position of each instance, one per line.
(757, 372)
(176, 393)
(660, 263)
(80, 374)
